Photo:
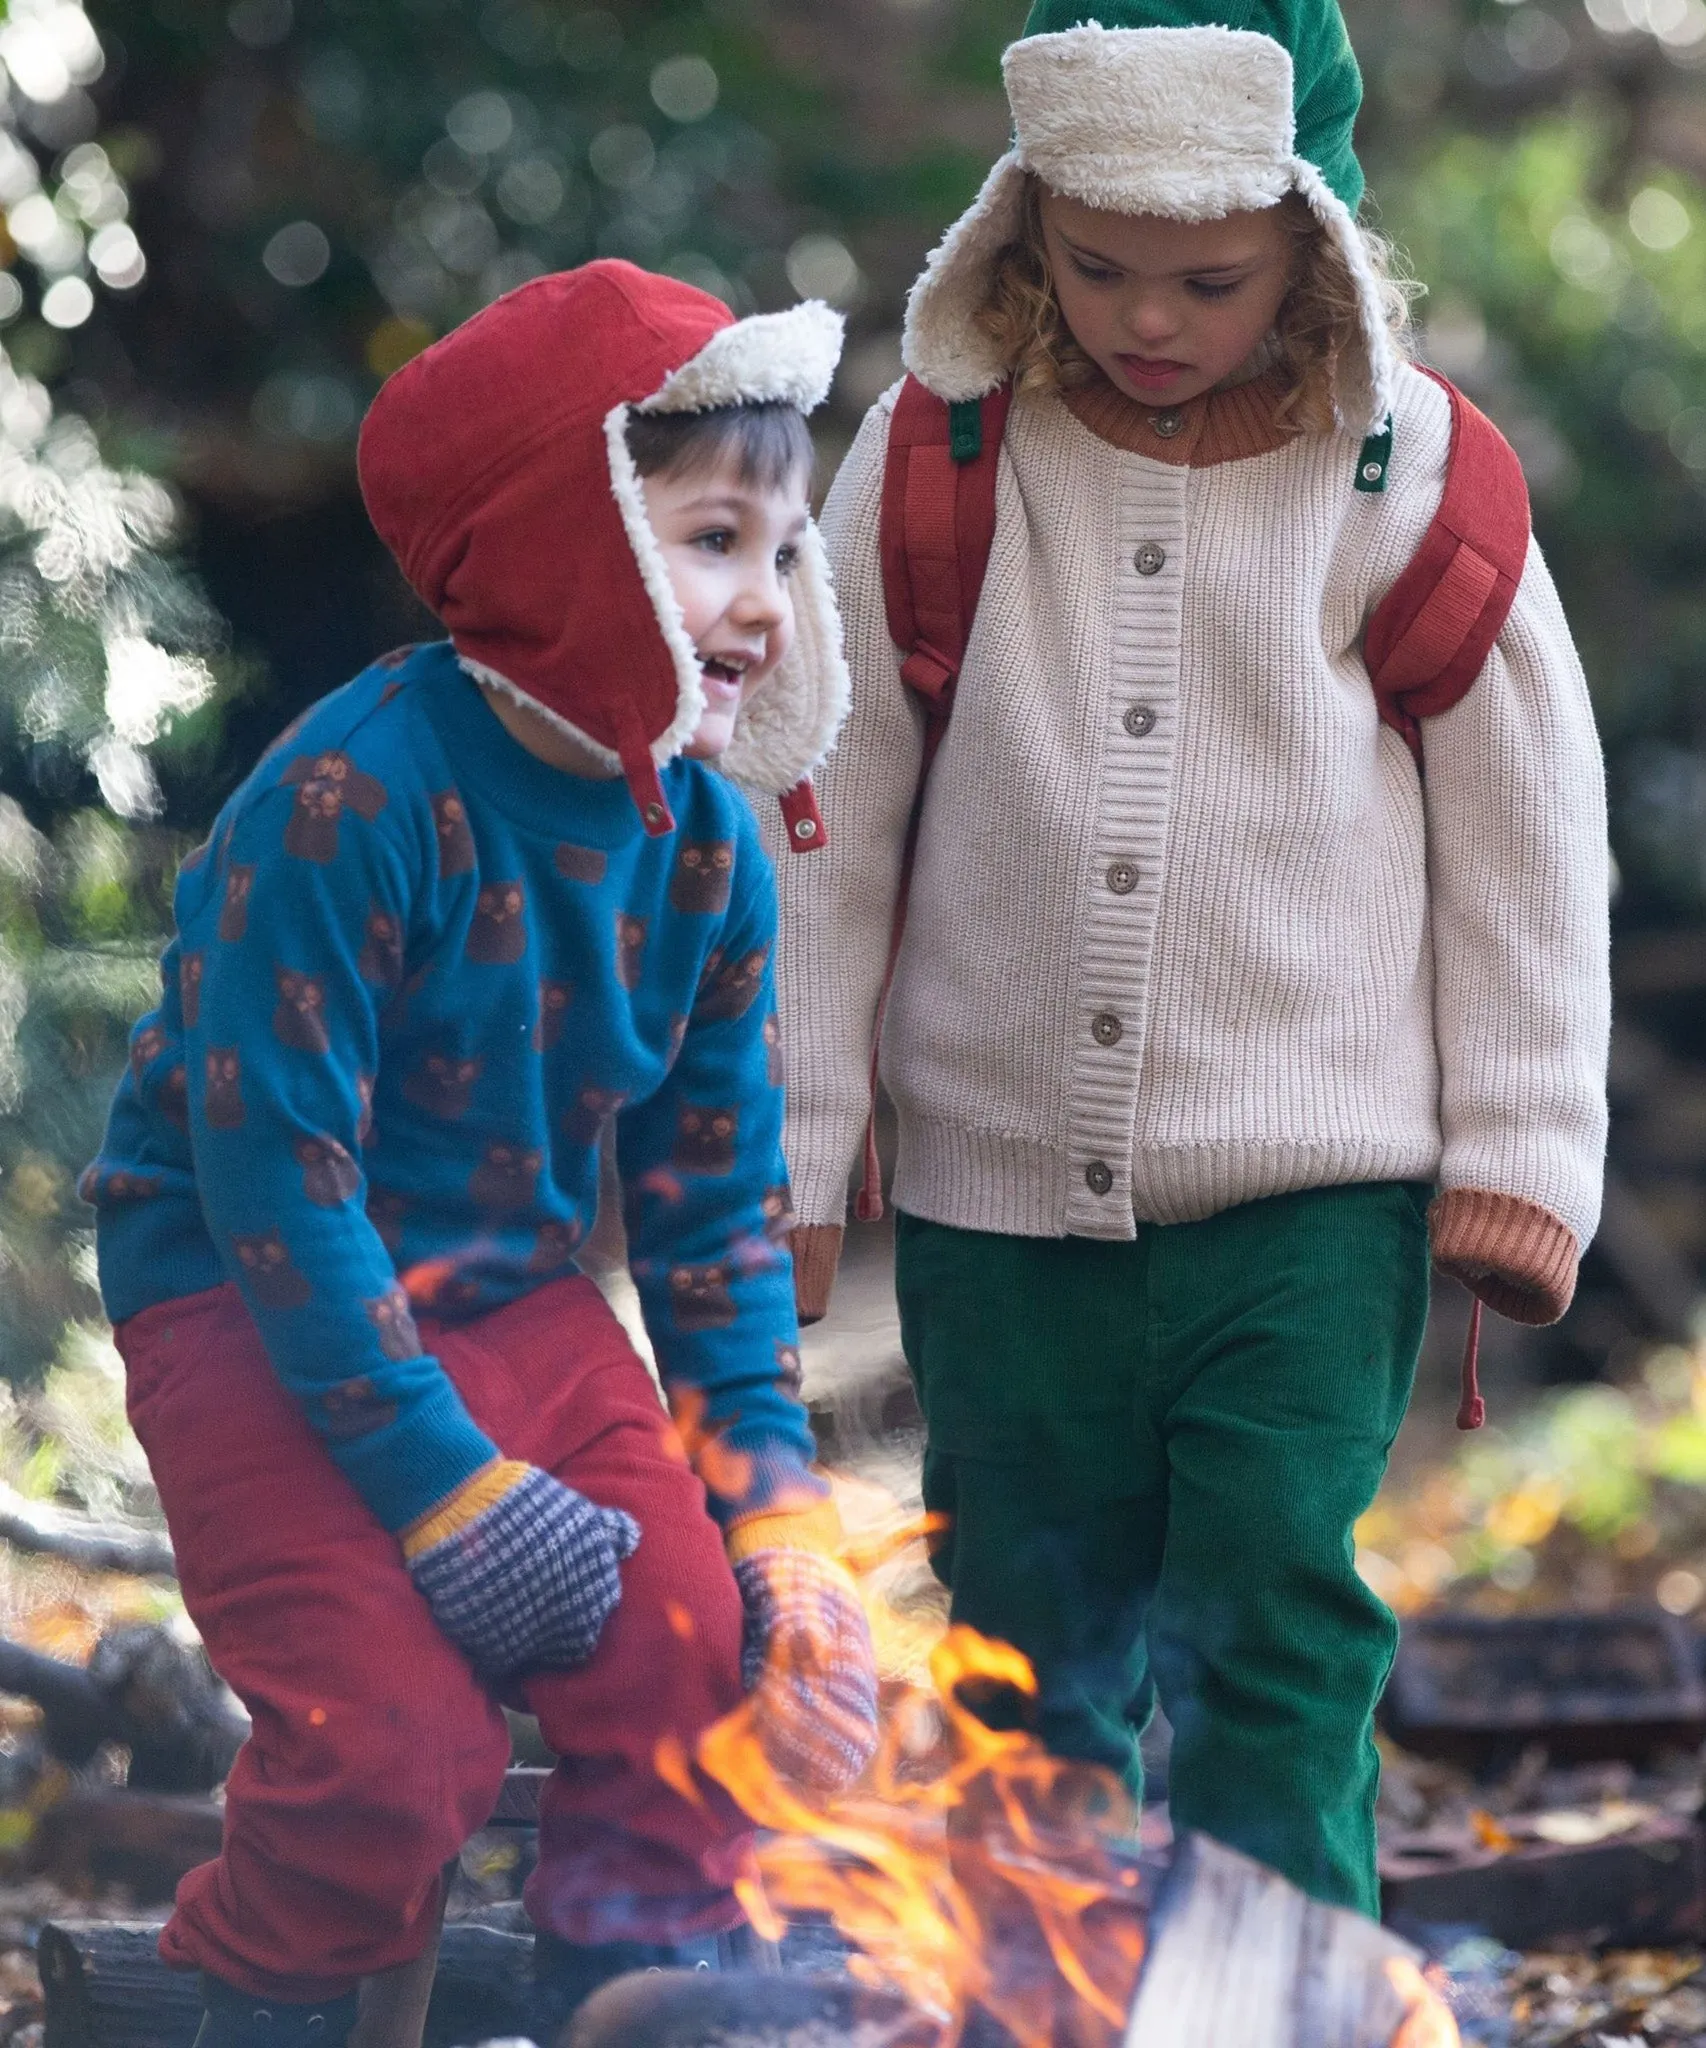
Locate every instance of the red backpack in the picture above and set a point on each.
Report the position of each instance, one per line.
(1424, 646)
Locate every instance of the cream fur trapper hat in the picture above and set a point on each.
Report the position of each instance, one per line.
(1191, 123)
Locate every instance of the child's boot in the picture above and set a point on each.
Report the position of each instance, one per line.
(238, 2019)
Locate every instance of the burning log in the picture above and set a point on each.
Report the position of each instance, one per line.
(997, 1891)
(685, 2009)
(1236, 1955)
(141, 1688)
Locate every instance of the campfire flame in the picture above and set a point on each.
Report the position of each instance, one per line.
(969, 1869)
(1428, 2022)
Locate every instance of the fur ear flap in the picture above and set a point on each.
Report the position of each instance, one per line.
(1368, 372)
(942, 345)
(788, 726)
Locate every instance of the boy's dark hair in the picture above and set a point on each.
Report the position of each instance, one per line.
(772, 442)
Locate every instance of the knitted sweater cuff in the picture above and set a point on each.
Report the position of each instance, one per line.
(470, 1500)
(817, 1254)
(816, 1529)
(1516, 1255)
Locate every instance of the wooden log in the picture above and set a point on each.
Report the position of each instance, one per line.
(146, 1841)
(1469, 1687)
(106, 1987)
(1643, 1889)
(1236, 1954)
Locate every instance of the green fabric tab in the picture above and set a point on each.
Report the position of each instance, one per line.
(1375, 459)
(1328, 86)
(965, 430)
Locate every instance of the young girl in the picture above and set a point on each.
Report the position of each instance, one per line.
(1211, 1005)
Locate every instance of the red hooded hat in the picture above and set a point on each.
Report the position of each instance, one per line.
(496, 468)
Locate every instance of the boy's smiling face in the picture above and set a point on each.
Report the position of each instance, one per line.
(731, 545)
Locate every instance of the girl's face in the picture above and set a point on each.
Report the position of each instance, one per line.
(1166, 309)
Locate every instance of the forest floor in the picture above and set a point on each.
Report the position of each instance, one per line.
(1593, 1498)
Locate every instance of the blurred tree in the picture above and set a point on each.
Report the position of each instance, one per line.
(104, 661)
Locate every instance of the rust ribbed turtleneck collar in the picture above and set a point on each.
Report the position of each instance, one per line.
(1227, 425)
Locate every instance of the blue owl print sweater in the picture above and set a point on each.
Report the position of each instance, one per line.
(415, 968)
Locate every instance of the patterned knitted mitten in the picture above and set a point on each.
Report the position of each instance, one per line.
(520, 1570)
(807, 1660)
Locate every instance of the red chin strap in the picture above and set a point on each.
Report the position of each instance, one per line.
(644, 785)
(803, 819)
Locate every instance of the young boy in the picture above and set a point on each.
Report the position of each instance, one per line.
(472, 904)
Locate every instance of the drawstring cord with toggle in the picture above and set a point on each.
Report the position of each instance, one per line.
(1471, 1409)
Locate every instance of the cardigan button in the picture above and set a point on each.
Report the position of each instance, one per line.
(1099, 1177)
(1139, 721)
(1122, 877)
(1167, 424)
(1106, 1028)
(1150, 559)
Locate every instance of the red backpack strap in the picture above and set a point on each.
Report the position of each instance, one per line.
(935, 531)
(1430, 637)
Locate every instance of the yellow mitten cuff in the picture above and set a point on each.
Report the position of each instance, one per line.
(458, 1509)
(816, 1529)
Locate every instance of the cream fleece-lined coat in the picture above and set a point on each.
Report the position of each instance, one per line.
(1186, 927)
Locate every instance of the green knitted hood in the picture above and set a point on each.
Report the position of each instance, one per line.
(1327, 90)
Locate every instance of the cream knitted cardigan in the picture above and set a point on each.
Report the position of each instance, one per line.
(1186, 928)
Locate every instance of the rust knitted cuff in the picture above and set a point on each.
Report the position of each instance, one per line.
(817, 1254)
(1515, 1255)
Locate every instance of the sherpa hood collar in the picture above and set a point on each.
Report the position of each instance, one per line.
(1190, 119)
(495, 467)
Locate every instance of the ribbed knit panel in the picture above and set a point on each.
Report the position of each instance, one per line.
(1319, 972)
(1122, 891)
(1221, 426)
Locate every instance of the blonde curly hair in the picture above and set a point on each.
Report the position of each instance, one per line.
(1318, 318)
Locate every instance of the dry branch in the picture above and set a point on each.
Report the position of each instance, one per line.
(92, 1546)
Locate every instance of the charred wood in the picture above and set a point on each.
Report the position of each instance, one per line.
(683, 2009)
(106, 1987)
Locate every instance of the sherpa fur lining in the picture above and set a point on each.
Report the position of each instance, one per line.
(942, 344)
(787, 726)
(1189, 123)
(772, 358)
(1071, 124)
(502, 684)
(1366, 379)
(654, 573)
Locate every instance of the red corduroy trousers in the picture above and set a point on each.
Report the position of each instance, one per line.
(376, 1752)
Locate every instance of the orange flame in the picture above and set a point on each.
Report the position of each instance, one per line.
(970, 1870)
(1427, 2023)
(727, 1473)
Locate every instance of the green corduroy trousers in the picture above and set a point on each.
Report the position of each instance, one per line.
(1152, 1455)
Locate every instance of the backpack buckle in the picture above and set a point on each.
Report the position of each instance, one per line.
(926, 671)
